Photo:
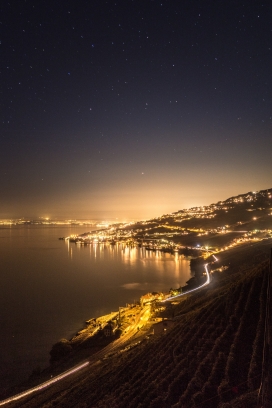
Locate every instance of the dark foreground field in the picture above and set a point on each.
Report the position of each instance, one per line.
(212, 357)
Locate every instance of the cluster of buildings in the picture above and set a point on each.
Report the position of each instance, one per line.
(172, 232)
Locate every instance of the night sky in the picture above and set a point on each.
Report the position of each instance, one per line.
(133, 108)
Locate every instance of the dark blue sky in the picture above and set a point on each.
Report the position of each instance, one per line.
(133, 108)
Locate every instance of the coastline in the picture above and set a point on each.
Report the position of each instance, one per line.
(58, 275)
(86, 337)
(90, 340)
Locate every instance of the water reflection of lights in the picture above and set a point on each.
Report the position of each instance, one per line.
(70, 249)
(129, 254)
(95, 249)
(166, 264)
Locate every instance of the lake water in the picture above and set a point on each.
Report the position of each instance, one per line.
(49, 288)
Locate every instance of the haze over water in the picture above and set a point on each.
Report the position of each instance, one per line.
(50, 287)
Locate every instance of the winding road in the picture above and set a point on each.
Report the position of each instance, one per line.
(110, 348)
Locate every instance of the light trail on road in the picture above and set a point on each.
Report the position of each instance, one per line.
(101, 353)
(192, 290)
(208, 280)
(44, 384)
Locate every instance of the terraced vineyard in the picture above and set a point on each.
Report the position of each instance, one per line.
(212, 357)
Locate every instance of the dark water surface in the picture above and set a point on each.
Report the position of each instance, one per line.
(50, 287)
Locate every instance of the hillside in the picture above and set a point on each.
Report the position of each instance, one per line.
(212, 356)
(234, 221)
(219, 224)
